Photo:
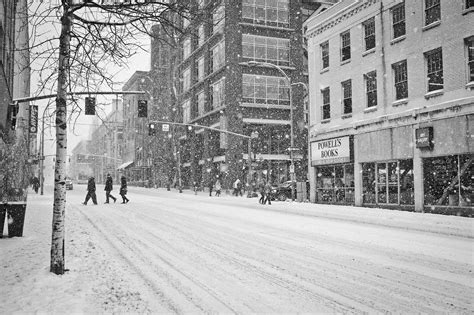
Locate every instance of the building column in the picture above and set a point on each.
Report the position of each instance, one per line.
(312, 182)
(358, 190)
(418, 176)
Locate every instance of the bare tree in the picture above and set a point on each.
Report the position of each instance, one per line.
(93, 36)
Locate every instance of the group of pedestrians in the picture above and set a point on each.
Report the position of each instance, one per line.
(265, 190)
(108, 189)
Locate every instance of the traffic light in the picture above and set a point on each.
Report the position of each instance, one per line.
(142, 108)
(151, 129)
(13, 108)
(90, 106)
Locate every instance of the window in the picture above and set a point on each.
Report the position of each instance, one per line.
(266, 49)
(434, 66)
(218, 19)
(218, 56)
(267, 12)
(371, 88)
(325, 55)
(201, 36)
(218, 94)
(398, 20)
(326, 107)
(259, 89)
(201, 103)
(186, 111)
(347, 96)
(186, 48)
(345, 46)
(200, 69)
(432, 11)
(401, 80)
(186, 79)
(369, 34)
(470, 58)
(469, 4)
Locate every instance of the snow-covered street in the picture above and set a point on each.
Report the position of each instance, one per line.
(166, 252)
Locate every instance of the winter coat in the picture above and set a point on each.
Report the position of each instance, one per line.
(108, 184)
(218, 185)
(91, 185)
(123, 186)
(268, 188)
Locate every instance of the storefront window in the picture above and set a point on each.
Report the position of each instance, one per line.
(449, 180)
(335, 184)
(388, 182)
(407, 195)
(368, 182)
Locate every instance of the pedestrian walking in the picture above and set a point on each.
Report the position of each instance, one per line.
(90, 191)
(123, 189)
(236, 186)
(108, 189)
(218, 188)
(195, 187)
(210, 187)
(261, 190)
(268, 193)
(36, 183)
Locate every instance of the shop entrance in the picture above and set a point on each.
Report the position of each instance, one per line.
(335, 184)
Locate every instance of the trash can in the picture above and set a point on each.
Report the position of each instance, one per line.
(3, 211)
(16, 219)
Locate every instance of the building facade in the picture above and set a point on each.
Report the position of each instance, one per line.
(136, 146)
(242, 70)
(392, 105)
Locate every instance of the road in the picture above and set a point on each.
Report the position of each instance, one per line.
(188, 253)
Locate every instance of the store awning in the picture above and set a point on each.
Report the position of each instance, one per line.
(125, 165)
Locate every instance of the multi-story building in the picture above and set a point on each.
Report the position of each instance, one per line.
(242, 70)
(7, 45)
(105, 150)
(392, 104)
(136, 145)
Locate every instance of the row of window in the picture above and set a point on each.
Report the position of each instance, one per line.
(266, 12)
(432, 12)
(434, 74)
(256, 89)
(217, 96)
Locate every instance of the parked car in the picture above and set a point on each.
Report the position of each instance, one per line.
(282, 191)
(69, 185)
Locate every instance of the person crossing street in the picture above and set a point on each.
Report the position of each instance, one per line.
(90, 191)
(108, 189)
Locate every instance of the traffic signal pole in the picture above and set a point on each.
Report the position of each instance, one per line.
(43, 97)
(151, 125)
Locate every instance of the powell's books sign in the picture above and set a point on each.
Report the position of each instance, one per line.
(331, 151)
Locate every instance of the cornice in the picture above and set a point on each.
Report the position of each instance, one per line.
(332, 22)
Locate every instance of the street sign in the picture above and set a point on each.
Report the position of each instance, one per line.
(33, 121)
(165, 127)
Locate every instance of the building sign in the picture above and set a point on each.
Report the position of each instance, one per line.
(424, 137)
(331, 151)
(33, 119)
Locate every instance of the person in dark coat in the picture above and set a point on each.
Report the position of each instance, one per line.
(90, 191)
(261, 190)
(36, 183)
(123, 189)
(108, 189)
(211, 185)
(268, 193)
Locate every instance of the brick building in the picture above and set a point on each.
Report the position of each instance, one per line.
(392, 104)
(221, 89)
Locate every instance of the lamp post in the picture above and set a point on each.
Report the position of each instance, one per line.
(292, 136)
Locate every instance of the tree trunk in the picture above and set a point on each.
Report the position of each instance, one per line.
(57, 243)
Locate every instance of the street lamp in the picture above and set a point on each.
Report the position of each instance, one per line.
(292, 137)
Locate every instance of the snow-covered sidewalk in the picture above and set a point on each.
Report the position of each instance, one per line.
(167, 252)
